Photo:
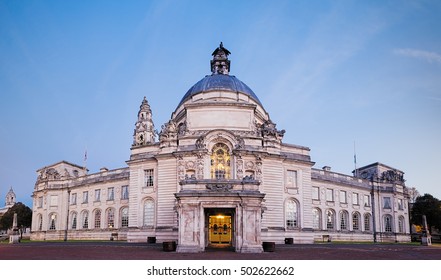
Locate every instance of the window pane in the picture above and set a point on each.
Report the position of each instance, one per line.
(329, 195)
(343, 197)
(110, 218)
(343, 220)
(388, 223)
(110, 193)
(386, 202)
(97, 195)
(73, 199)
(74, 221)
(291, 214)
(220, 162)
(85, 196)
(125, 217)
(148, 178)
(98, 219)
(125, 192)
(355, 221)
(52, 222)
(355, 199)
(367, 200)
(367, 222)
(85, 220)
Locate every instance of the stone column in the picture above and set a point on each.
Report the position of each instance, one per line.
(15, 237)
(426, 239)
(189, 229)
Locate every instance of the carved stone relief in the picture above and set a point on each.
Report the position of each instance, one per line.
(239, 167)
(200, 166)
(181, 168)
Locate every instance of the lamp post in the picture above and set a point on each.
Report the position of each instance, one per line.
(374, 225)
(67, 214)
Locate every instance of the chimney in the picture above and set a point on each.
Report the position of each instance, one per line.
(326, 168)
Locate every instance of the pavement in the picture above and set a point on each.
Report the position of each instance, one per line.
(88, 250)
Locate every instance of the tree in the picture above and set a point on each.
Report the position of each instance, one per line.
(429, 206)
(413, 194)
(24, 216)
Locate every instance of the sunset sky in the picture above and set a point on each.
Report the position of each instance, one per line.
(333, 74)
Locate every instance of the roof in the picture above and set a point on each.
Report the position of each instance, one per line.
(219, 82)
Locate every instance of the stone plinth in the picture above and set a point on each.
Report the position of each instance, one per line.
(14, 239)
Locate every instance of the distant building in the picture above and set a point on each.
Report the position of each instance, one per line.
(10, 201)
(219, 174)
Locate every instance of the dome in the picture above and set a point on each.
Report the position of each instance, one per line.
(219, 82)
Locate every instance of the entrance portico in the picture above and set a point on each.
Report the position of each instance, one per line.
(228, 214)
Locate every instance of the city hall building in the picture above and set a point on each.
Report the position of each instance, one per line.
(219, 174)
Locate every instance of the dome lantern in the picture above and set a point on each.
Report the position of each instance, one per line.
(220, 63)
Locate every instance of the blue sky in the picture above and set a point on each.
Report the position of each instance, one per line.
(331, 73)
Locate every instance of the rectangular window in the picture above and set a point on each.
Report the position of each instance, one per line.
(315, 193)
(329, 195)
(97, 195)
(386, 203)
(367, 200)
(54, 200)
(85, 197)
(110, 193)
(291, 179)
(148, 178)
(355, 199)
(125, 192)
(400, 204)
(73, 199)
(343, 197)
(40, 202)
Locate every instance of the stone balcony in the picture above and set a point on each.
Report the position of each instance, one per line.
(246, 185)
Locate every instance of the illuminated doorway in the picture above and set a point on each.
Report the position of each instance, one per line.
(220, 227)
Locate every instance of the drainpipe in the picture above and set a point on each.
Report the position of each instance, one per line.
(374, 227)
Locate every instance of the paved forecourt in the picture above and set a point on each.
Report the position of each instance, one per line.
(143, 251)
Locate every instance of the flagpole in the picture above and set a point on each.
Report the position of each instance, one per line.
(85, 161)
(355, 162)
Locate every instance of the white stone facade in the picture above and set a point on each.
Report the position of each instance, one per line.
(219, 175)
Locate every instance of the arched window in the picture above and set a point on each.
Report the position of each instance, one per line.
(74, 220)
(344, 217)
(52, 221)
(367, 222)
(40, 222)
(291, 214)
(316, 218)
(110, 218)
(97, 217)
(355, 221)
(401, 228)
(387, 223)
(220, 162)
(149, 213)
(125, 217)
(330, 219)
(85, 220)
